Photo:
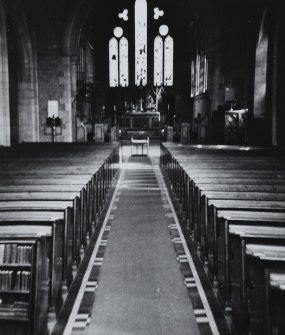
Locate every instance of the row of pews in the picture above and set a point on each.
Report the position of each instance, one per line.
(232, 201)
(51, 199)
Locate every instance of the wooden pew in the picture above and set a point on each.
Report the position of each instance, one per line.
(277, 301)
(95, 190)
(228, 200)
(71, 241)
(219, 259)
(40, 185)
(90, 212)
(210, 184)
(214, 167)
(56, 191)
(75, 241)
(192, 195)
(56, 252)
(198, 202)
(233, 277)
(265, 269)
(206, 222)
(24, 304)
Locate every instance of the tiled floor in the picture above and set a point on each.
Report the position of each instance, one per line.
(139, 276)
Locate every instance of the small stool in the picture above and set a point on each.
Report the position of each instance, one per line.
(140, 142)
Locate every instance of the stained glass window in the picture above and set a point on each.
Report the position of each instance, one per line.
(141, 42)
(81, 65)
(205, 74)
(163, 51)
(260, 76)
(113, 62)
(199, 75)
(118, 59)
(158, 61)
(163, 58)
(168, 61)
(124, 62)
(193, 79)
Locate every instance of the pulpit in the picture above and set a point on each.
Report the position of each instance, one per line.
(230, 126)
(235, 123)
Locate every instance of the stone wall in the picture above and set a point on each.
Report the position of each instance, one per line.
(54, 77)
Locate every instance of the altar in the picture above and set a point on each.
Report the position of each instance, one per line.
(141, 119)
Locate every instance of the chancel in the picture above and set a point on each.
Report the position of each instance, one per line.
(142, 167)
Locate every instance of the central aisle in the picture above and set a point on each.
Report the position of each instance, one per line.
(141, 288)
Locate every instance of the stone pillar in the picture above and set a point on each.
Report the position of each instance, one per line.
(218, 97)
(65, 100)
(5, 138)
(73, 77)
(274, 77)
(28, 111)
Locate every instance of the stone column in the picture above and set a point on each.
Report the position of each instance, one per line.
(65, 100)
(73, 77)
(5, 138)
(274, 78)
(28, 111)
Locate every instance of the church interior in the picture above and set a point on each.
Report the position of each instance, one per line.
(142, 167)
